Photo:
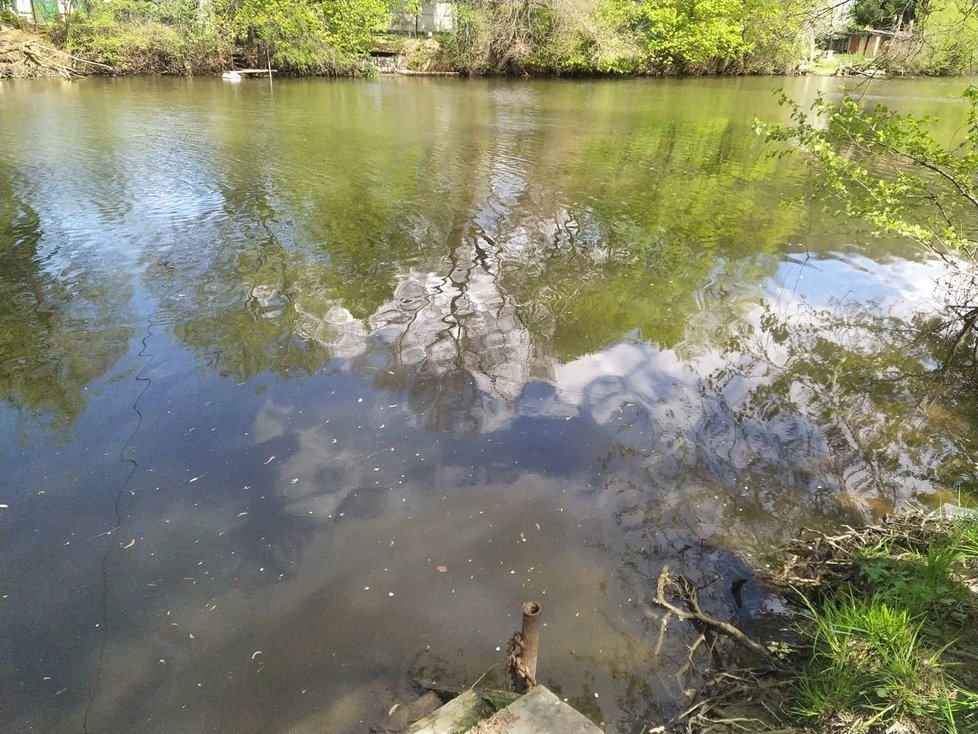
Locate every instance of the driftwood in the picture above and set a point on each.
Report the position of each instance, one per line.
(706, 623)
(73, 58)
(412, 72)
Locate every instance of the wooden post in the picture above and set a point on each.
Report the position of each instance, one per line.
(531, 637)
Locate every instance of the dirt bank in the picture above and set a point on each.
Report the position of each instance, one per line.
(26, 55)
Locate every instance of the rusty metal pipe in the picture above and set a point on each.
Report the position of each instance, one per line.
(531, 637)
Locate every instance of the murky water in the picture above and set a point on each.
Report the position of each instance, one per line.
(306, 389)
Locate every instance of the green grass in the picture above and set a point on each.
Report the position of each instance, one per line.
(839, 60)
(882, 644)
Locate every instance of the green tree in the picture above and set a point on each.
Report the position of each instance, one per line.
(350, 24)
(293, 32)
(132, 36)
(890, 170)
(887, 13)
(718, 35)
(690, 32)
(304, 35)
(950, 37)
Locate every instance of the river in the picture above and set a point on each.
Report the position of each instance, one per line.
(307, 387)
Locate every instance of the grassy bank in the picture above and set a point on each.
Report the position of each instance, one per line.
(893, 635)
(883, 637)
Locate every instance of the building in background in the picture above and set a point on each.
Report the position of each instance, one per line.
(41, 10)
(434, 17)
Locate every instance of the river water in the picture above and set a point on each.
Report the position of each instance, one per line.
(306, 388)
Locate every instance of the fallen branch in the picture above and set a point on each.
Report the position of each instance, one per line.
(60, 69)
(30, 54)
(696, 615)
(73, 58)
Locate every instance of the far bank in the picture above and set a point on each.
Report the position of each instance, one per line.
(476, 38)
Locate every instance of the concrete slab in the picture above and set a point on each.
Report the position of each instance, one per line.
(458, 715)
(538, 712)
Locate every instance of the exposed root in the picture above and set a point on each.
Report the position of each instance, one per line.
(733, 703)
(814, 567)
(817, 559)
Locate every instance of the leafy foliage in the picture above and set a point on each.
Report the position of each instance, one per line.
(890, 170)
(311, 36)
(292, 31)
(689, 32)
(626, 36)
(141, 35)
(350, 24)
(886, 13)
(505, 36)
(950, 38)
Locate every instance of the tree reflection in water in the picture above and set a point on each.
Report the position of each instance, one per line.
(62, 312)
(474, 332)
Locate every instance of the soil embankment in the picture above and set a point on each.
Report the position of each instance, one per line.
(25, 55)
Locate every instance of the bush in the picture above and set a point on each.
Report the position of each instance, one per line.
(141, 35)
(950, 40)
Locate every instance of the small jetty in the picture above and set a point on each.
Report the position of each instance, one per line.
(236, 75)
(535, 711)
(412, 72)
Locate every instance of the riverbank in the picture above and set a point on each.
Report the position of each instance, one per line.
(28, 51)
(593, 38)
(878, 635)
(26, 55)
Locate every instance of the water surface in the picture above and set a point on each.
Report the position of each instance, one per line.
(272, 358)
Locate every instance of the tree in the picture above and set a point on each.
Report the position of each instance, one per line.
(690, 32)
(292, 31)
(350, 24)
(950, 37)
(887, 13)
(712, 35)
(890, 170)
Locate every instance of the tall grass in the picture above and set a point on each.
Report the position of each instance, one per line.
(879, 644)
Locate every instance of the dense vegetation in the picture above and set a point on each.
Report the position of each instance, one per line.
(504, 36)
